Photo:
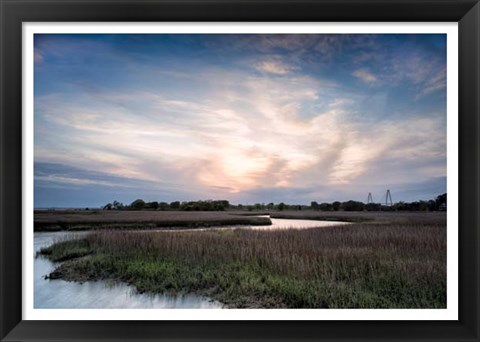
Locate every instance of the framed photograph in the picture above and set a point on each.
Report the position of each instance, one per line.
(239, 170)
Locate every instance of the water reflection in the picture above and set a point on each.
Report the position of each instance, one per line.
(299, 224)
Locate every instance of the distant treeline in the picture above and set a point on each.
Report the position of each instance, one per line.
(208, 205)
(438, 204)
(140, 204)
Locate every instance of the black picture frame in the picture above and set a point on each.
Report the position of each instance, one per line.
(14, 12)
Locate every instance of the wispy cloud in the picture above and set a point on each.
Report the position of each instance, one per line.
(365, 75)
(437, 81)
(425, 73)
(274, 66)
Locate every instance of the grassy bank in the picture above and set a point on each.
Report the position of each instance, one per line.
(359, 266)
(101, 219)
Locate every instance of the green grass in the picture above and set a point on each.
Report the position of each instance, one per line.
(66, 250)
(359, 266)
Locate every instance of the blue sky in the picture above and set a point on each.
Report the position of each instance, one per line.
(247, 118)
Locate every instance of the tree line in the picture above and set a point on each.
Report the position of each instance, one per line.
(437, 204)
(208, 205)
(140, 204)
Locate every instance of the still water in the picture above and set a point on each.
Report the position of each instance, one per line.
(102, 294)
(299, 224)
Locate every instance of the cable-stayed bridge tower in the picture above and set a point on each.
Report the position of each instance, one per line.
(388, 199)
(370, 198)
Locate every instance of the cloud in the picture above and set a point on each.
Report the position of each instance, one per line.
(274, 66)
(325, 44)
(437, 81)
(365, 75)
(215, 143)
(68, 175)
(427, 74)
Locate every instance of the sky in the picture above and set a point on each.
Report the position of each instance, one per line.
(246, 118)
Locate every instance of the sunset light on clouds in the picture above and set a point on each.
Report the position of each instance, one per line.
(246, 118)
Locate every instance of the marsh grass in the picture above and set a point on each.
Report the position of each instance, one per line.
(357, 266)
(67, 250)
(140, 220)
